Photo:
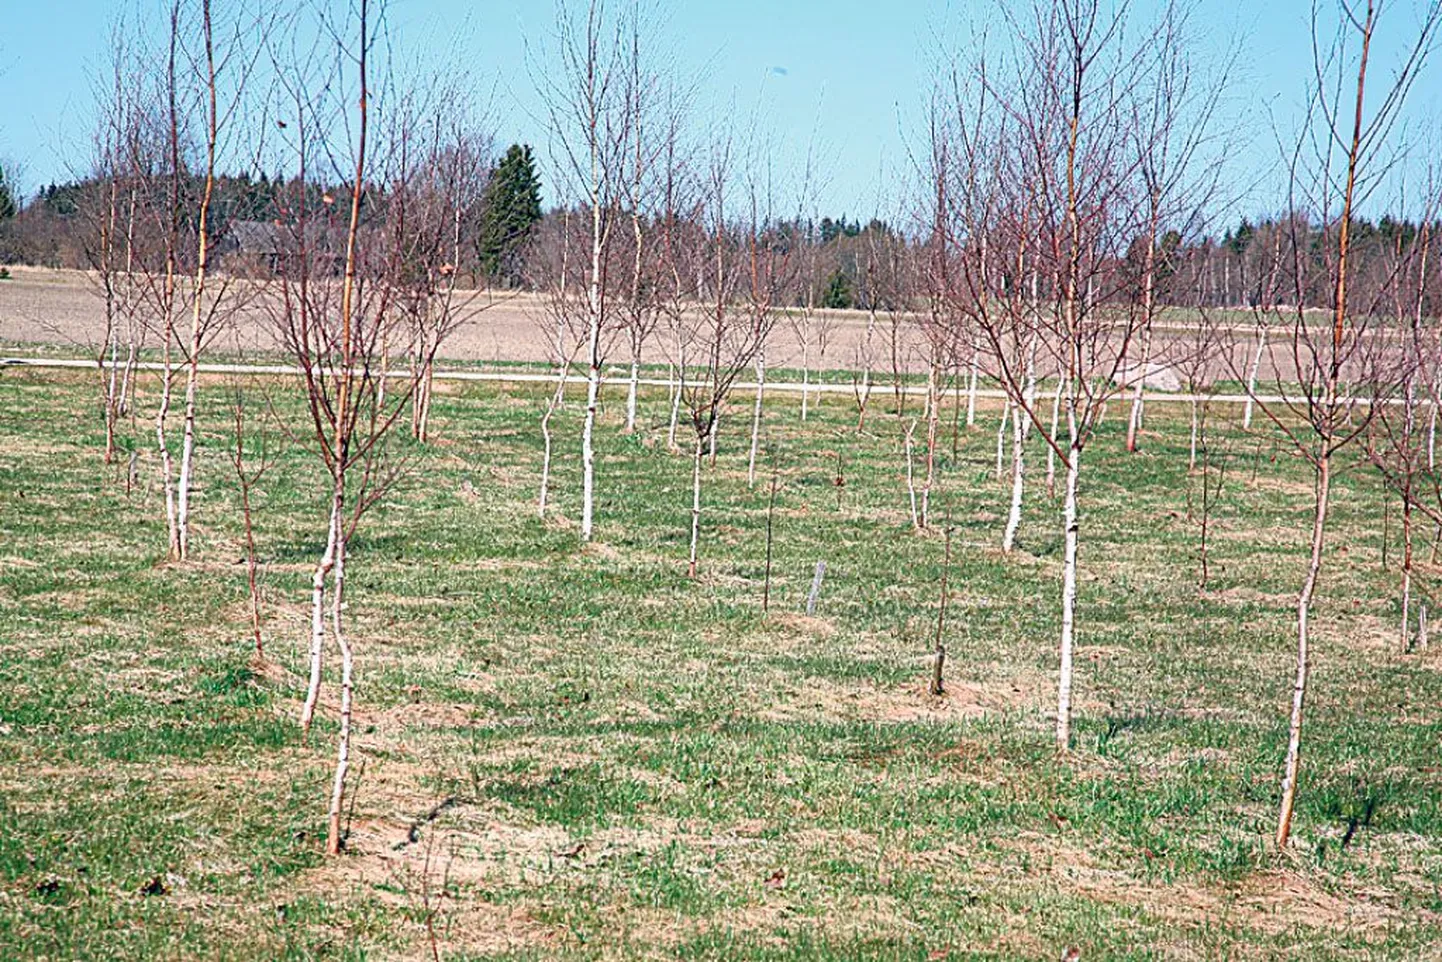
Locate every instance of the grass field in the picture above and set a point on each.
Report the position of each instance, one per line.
(578, 753)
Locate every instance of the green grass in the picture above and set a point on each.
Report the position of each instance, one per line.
(625, 763)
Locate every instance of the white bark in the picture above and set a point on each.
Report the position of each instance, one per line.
(806, 368)
(679, 379)
(1006, 412)
(167, 475)
(1050, 451)
(1068, 602)
(695, 504)
(971, 383)
(1018, 467)
(551, 406)
(1252, 373)
(588, 450)
(1299, 688)
(1432, 438)
(631, 391)
(317, 616)
(911, 476)
(347, 681)
(933, 400)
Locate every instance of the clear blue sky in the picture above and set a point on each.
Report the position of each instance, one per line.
(845, 78)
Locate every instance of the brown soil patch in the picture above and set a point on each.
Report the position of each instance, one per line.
(820, 698)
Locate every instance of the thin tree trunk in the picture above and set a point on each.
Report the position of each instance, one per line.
(695, 502)
(1432, 437)
(252, 580)
(1252, 374)
(192, 371)
(756, 419)
(1192, 450)
(680, 381)
(551, 406)
(1050, 450)
(1134, 419)
(166, 465)
(632, 390)
(347, 678)
(593, 373)
(1018, 468)
(317, 613)
(1068, 601)
(588, 451)
(971, 379)
(1006, 414)
(932, 402)
(1406, 568)
(911, 476)
(806, 370)
(1299, 688)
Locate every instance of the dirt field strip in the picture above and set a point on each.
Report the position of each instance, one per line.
(523, 377)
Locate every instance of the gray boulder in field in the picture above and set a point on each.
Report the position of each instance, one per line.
(1157, 377)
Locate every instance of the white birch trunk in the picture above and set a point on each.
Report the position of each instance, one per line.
(695, 504)
(680, 382)
(971, 383)
(167, 475)
(1252, 374)
(317, 615)
(1050, 450)
(1018, 464)
(588, 450)
(631, 392)
(1068, 600)
(1006, 413)
(806, 371)
(347, 683)
(1299, 688)
(932, 415)
(910, 475)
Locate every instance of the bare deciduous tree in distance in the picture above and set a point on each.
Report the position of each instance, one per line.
(590, 115)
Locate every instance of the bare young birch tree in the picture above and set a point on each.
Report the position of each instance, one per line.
(250, 457)
(441, 160)
(743, 265)
(1064, 139)
(879, 292)
(1264, 306)
(335, 309)
(172, 155)
(591, 119)
(1341, 372)
(934, 265)
(110, 211)
(639, 187)
(201, 313)
(562, 310)
(1396, 442)
(1172, 124)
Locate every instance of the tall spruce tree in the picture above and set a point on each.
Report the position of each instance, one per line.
(512, 206)
(9, 201)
